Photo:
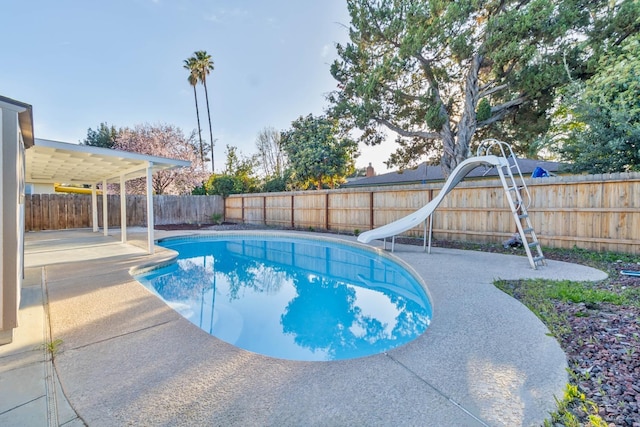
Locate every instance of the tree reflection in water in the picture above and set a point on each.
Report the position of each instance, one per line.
(325, 315)
(294, 299)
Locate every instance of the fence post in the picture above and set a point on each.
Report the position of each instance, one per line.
(242, 209)
(293, 213)
(264, 210)
(371, 210)
(326, 211)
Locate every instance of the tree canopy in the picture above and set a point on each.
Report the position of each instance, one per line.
(604, 135)
(436, 72)
(193, 66)
(166, 141)
(238, 175)
(273, 159)
(318, 153)
(104, 136)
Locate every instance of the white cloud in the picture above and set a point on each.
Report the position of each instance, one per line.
(272, 22)
(222, 15)
(212, 17)
(326, 49)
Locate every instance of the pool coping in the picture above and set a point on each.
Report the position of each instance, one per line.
(128, 358)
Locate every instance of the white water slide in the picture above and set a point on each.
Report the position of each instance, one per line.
(416, 218)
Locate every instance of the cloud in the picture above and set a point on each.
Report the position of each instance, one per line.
(213, 18)
(222, 15)
(326, 50)
(272, 22)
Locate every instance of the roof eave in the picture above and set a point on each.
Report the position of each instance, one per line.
(25, 119)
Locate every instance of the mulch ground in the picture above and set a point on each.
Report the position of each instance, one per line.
(603, 347)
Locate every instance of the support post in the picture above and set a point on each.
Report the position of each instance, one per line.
(150, 224)
(430, 231)
(105, 209)
(94, 207)
(123, 210)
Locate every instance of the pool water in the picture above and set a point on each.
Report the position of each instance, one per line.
(292, 298)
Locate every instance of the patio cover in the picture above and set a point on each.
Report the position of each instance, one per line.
(49, 162)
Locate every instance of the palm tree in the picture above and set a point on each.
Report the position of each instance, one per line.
(204, 67)
(191, 64)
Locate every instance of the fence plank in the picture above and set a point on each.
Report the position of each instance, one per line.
(63, 211)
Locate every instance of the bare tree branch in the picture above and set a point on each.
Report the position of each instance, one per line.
(483, 93)
(499, 112)
(406, 133)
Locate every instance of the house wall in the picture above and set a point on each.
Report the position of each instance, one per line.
(10, 288)
(40, 189)
(11, 213)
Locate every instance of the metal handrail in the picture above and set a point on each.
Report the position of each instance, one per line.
(487, 146)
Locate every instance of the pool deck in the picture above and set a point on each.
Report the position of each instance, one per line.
(126, 358)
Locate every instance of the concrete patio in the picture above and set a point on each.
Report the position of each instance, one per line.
(127, 359)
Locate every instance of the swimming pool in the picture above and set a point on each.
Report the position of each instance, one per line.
(292, 297)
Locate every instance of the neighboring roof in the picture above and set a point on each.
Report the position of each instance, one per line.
(59, 162)
(425, 173)
(25, 119)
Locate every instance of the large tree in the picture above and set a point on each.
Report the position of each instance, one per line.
(165, 141)
(435, 72)
(238, 175)
(191, 64)
(604, 135)
(104, 136)
(204, 65)
(318, 152)
(273, 159)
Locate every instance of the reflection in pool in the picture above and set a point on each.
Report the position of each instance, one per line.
(289, 298)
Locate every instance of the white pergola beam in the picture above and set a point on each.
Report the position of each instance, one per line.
(105, 209)
(94, 207)
(150, 222)
(123, 210)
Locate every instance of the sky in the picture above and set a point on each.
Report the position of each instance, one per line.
(80, 63)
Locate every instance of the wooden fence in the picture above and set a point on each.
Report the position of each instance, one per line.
(598, 212)
(62, 211)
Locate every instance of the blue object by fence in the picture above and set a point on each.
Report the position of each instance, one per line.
(539, 172)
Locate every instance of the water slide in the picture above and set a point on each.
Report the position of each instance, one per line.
(416, 218)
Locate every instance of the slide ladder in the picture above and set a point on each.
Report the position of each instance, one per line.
(514, 186)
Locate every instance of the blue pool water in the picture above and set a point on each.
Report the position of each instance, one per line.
(292, 298)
